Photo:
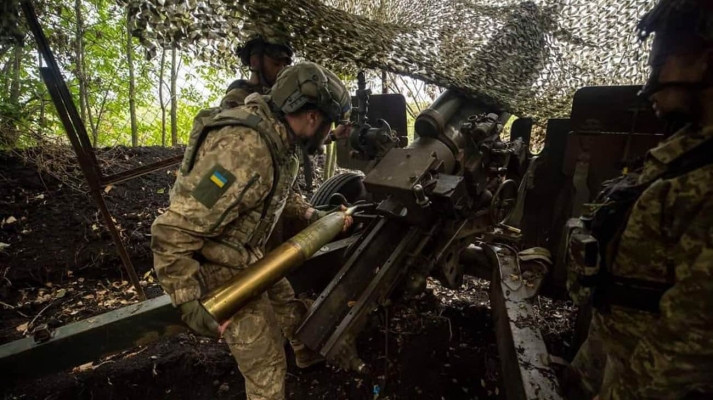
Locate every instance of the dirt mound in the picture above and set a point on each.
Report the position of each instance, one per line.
(50, 228)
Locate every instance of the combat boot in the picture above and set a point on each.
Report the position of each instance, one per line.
(304, 356)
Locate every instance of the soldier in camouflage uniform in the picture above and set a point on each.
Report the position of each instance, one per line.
(651, 335)
(234, 182)
(265, 57)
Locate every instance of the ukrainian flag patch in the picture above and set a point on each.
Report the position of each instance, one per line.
(213, 185)
(218, 179)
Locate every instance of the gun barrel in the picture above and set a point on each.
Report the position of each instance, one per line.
(223, 302)
(432, 121)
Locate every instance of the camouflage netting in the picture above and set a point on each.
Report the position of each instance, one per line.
(525, 57)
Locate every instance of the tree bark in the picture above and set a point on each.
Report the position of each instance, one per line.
(11, 134)
(174, 97)
(42, 99)
(79, 60)
(15, 85)
(6, 74)
(132, 83)
(160, 98)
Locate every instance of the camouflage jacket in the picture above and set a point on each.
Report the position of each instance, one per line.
(237, 91)
(668, 238)
(235, 96)
(199, 242)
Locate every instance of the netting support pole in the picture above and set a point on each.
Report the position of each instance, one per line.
(77, 133)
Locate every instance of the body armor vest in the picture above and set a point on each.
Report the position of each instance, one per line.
(607, 224)
(252, 228)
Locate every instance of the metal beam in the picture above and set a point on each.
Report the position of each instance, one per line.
(524, 359)
(91, 339)
(140, 171)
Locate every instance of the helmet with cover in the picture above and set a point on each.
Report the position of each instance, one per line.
(680, 27)
(274, 46)
(306, 84)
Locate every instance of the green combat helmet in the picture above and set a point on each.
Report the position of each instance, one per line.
(308, 84)
(273, 47)
(680, 27)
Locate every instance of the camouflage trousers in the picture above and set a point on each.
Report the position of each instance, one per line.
(256, 337)
(598, 363)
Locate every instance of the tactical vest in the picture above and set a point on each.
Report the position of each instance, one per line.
(609, 221)
(254, 227)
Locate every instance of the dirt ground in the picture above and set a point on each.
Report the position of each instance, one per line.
(58, 265)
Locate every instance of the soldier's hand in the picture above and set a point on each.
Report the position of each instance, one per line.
(224, 326)
(198, 319)
(348, 221)
(342, 130)
(313, 215)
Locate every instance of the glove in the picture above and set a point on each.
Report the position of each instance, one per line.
(198, 319)
(318, 214)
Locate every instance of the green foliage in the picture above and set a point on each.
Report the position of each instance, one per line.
(27, 113)
(89, 40)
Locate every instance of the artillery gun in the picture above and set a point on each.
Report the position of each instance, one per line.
(457, 200)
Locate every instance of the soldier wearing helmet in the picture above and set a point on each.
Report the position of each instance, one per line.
(265, 57)
(235, 181)
(651, 335)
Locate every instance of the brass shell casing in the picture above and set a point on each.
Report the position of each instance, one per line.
(223, 302)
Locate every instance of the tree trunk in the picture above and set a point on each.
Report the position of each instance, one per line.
(42, 99)
(174, 99)
(6, 74)
(384, 87)
(79, 60)
(132, 83)
(160, 98)
(92, 125)
(15, 85)
(11, 134)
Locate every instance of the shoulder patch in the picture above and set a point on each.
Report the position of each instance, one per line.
(213, 185)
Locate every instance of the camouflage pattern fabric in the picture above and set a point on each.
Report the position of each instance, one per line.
(526, 57)
(237, 91)
(211, 205)
(254, 340)
(668, 238)
(206, 219)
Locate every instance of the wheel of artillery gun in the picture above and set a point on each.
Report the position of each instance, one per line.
(347, 184)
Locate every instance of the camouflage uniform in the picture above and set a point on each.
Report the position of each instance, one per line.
(236, 94)
(201, 241)
(237, 91)
(631, 354)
